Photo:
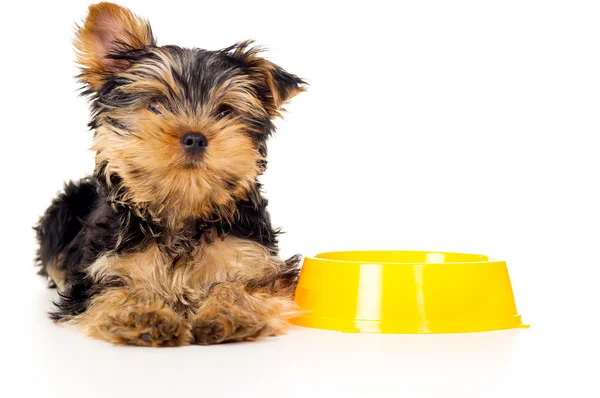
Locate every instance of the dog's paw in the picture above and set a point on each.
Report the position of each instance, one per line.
(157, 328)
(224, 327)
(209, 331)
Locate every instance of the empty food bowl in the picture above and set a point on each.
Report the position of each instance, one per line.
(406, 292)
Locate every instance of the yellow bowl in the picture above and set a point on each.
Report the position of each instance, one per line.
(406, 292)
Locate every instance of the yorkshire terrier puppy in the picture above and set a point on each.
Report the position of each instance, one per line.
(169, 241)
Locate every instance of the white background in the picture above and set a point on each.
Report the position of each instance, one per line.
(452, 125)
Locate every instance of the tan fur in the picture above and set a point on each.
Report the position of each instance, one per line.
(206, 293)
(146, 152)
(133, 316)
(263, 69)
(231, 313)
(149, 153)
(106, 25)
(177, 290)
(193, 191)
(231, 258)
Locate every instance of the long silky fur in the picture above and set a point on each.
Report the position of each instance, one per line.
(144, 192)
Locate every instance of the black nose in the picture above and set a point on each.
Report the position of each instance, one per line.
(194, 143)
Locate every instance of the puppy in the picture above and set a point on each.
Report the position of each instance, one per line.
(169, 242)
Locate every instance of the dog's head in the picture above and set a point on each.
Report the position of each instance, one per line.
(183, 130)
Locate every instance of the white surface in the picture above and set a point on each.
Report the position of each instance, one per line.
(547, 359)
(464, 126)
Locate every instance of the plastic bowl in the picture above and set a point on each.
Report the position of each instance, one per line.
(406, 292)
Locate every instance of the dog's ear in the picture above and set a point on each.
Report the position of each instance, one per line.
(276, 86)
(110, 39)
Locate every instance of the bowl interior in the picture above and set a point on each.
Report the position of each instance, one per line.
(402, 257)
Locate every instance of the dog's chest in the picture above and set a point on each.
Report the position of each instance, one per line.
(212, 260)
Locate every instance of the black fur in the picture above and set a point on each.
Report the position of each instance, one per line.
(83, 223)
(62, 221)
(87, 220)
(198, 70)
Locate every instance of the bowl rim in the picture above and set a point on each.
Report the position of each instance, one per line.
(322, 259)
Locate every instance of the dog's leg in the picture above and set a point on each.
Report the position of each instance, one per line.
(133, 316)
(248, 310)
(233, 313)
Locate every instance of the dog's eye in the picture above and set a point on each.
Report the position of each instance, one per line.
(223, 111)
(155, 106)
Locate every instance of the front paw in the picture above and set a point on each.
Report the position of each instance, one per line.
(155, 328)
(222, 327)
